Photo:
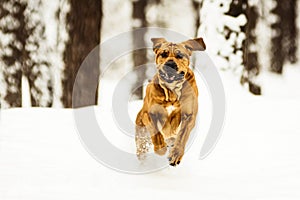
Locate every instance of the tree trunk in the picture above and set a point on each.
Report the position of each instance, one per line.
(284, 41)
(250, 55)
(197, 6)
(289, 27)
(28, 54)
(37, 66)
(277, 52)
(139, 55)
(84, 21)
(12, 62)
(249, 46)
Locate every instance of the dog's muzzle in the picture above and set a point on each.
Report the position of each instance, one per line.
(169, 72)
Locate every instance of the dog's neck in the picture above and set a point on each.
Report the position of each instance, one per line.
(174, 87)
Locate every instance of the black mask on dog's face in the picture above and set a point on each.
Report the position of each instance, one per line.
(172, 59)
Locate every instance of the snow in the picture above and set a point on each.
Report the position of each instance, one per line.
(214, 27)
(26, 101)
(172, 15)
(257, 157)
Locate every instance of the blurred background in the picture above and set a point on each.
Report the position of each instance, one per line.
(43, 43)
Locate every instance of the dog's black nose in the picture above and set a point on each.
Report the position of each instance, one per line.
(170, 64)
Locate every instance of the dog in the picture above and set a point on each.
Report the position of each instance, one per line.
(170, 105)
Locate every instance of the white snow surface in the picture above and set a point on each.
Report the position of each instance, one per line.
(257, 157)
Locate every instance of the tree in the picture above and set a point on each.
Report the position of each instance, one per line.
(290, 28)
(84, 22)
(219, 27)
(284, 40)
(23, 54)
(232, 24)
(139, 56)
(58, 45)
(37, 67)
(249, 45)
(12, 24)
(197, 4)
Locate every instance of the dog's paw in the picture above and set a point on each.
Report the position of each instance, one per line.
(143, 144)
(175, 156)
(170, 142)
(141, 155)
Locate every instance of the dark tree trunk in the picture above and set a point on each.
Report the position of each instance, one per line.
(250, 59)
(139, 55)
(289, 28)
(277, 51)
(284, 41)
(13, 62)
(196, 6)
(84, 21)
(250, 56)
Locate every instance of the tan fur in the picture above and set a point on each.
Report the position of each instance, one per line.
(182, 95)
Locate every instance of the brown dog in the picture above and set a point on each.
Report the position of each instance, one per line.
(171, 102)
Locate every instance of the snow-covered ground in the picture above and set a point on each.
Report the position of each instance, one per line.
(257, 157)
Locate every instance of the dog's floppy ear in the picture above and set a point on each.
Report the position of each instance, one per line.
(157, 42)
(196, 44)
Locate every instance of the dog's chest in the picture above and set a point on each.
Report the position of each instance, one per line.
(172, 92)
(170, 109)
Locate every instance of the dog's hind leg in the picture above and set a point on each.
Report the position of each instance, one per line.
(142, 138)
(142, 141)
(151, 121)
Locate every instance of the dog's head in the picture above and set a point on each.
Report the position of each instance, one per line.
(173, 59)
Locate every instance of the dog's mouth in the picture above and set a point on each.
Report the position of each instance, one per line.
(170, 77)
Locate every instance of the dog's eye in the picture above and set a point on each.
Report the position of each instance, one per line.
(179, 56)
(164, 54)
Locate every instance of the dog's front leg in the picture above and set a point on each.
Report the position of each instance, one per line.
(188, 118)
(158, 116)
